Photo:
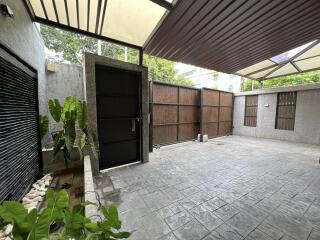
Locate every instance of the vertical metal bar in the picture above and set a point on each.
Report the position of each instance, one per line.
(29, 9)
(232, 108)
(67, 11)
(103, 15)
(245, 111)
(140, 123)
(88, 15)
(151, 117)
(98, 16)
(55, 10)
(141, 57)
(276, 123)
(178, 114)
(201, 114)
(218, 132)
(44, 9)
(78, 17)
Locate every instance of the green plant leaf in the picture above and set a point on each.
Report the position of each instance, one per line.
(37, 226)
(104, 211)
(70, 137)
(58, 142)
(114, 217)
(70, 105)
(74, 223)
(55, 109)
(92, 227)
(86, 203)
(12, 211)
(44, 125)
(94, 144)
(81, 143)
(82, 115)
(120, 235)
(57, 202)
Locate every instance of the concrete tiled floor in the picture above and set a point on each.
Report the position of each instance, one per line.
(228, 188)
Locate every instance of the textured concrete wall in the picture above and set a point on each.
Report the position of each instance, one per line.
(22, 36)
(66, 81)
(307, 119)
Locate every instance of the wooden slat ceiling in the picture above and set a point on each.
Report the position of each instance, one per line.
(229, 35)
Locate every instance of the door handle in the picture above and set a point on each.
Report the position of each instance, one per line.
(133, 125)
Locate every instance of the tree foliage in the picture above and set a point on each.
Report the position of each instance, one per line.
(163, 70)
(72, 47)
(302, 78)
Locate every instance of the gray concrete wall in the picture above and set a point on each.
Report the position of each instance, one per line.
(307, 119)
(21, 35)
(66, 81)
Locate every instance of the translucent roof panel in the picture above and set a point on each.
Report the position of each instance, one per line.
(314, 51)
(131, 21)
(261, 74)
(286, 69)
(303, 58)
(285, 57)
(128, 21)
(309, 63)
(256, 67)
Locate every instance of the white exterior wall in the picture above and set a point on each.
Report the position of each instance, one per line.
(307, 119)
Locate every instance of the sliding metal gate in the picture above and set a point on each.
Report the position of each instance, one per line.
(19, 128)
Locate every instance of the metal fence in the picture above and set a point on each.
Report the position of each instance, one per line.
(180, 113)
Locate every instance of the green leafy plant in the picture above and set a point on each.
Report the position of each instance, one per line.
(36, 224)
(73, 111)
(44, 125)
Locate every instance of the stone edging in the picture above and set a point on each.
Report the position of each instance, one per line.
(91, 211)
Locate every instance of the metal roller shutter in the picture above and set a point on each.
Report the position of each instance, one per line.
(19, 129)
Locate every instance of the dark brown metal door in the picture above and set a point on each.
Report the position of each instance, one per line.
(119, 116)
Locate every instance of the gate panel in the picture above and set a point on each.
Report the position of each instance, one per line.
(210, 112)
(225, 113)
(180, 113)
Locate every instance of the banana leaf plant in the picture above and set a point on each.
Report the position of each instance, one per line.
(35, 225)
(73, 112)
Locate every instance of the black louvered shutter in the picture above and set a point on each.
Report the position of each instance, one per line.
(19, 130)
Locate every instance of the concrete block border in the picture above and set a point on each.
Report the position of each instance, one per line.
(91, 211)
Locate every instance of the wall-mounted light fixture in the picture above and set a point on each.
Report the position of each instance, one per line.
(266, 105)
(6, 10)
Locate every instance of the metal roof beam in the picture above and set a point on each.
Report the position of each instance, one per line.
(83, 32)
(163, 3)
(29, 9)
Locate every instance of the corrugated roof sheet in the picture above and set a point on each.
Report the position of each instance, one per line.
(229, 35)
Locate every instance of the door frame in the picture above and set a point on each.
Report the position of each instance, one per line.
(90, 62)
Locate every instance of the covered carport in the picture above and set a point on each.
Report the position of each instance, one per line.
(232, 187)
